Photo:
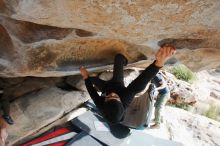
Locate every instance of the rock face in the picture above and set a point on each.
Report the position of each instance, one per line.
(34, 111)
(182, 92)
(17, 87)
(207, 90)
(187, 128)
(54, 38)
(191, 129)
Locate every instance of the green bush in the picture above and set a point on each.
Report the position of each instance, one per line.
(183, 73)
(213, 112)
(184, 106)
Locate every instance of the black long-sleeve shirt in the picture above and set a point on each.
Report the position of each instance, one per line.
(126, 94)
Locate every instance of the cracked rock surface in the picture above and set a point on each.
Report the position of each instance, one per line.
(53, 38)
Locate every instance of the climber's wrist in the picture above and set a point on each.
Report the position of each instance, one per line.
(159, 63)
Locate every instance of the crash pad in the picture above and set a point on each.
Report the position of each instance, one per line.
(83, 139)
(113, 136)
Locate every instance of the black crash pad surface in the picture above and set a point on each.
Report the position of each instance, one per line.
(118, 135)
(115, 135)
(83, 139)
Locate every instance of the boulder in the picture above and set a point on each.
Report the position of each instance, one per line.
(77, 82)
(36, 110)
(129, 75)
(207, 86)
(181, 92)
(54, 38)
(17, 87)
(191, 129)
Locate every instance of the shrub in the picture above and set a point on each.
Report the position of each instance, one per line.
(184, 106)
(213, 112)
(183, 73)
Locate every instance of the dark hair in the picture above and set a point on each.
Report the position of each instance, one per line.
(113, 111)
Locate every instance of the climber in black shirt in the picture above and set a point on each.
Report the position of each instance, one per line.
(115, 96)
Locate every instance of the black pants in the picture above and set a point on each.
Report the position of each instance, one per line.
(118, 75)
(5, 106)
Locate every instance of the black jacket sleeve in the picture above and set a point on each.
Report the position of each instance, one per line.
(98, 100)
(140, 82)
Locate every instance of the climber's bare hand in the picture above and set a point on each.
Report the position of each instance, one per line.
(84, 72)
(163, 54)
